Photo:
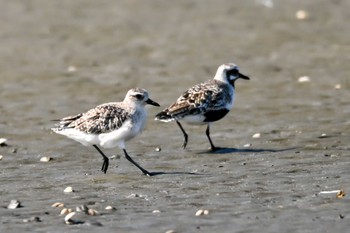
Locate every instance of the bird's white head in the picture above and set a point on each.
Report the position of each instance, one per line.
(139, 96)
(229, 73)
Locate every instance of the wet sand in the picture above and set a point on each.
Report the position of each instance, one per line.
(60, 58)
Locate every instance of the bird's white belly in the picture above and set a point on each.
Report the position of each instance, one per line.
(79, 136)
(107, 140)
(118, 137)
(194, 119)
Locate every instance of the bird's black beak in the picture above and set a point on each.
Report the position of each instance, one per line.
(151, 102)
(243, 76)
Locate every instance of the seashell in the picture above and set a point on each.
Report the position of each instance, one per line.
(64, 211)
(341, 194)
(92, 212)
(45, 159)
(301, 14)
(109, 208)
(337, 86)
(14, 204)
(68, 217)
(71, 69)
(202, 212)
(304, 79)
(57, 204)
(247, 145)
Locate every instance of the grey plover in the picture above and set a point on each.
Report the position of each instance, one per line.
(206, 102)
(109, 125)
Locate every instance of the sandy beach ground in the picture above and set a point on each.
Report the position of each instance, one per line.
(60, 58)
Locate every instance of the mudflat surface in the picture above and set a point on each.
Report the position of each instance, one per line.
(61, 58)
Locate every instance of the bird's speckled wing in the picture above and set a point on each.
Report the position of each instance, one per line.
(102, 119)
(204, 97)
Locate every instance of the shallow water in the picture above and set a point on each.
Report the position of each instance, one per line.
(64, 57)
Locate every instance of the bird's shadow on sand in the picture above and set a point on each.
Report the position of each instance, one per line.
(223, 150)
(175, 173)
(228, 150)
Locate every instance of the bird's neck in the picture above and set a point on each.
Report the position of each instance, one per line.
(219, 76)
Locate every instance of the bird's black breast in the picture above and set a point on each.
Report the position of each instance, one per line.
(215, 115)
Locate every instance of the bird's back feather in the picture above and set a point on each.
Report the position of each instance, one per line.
(102, 119)
(205, 97)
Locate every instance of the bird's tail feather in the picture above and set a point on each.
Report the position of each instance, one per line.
(164, 116)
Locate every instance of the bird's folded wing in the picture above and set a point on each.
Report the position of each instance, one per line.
(102, 119)
(194, 102)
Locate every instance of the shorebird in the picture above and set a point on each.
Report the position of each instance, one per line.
(206, 102)
(109, 125)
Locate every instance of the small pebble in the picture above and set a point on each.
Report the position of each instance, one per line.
(257, 135)
(301, 14)
(133, 195)
(247, 145)
(199, 212)
(114, 157)
(304, 79)
(170, 231)
(45, 159)
(202, 212)
(323, 135)
(337, 86)
(158, 149)
(3, 142)
(68, 190)
(71, 69)
(82, 208)
(14, 204)
(57, 204)
(1, 156)
(156, 211)
(32, 219)
(109, 208)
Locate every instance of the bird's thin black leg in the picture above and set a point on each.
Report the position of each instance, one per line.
(207, 132)
(144, 171)
(105, 160)
(184, 133)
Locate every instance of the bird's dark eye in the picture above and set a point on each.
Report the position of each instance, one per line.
(139, 96)
(233, 72)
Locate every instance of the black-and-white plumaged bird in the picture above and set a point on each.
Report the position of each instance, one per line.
(109, 125)
(206, 102)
